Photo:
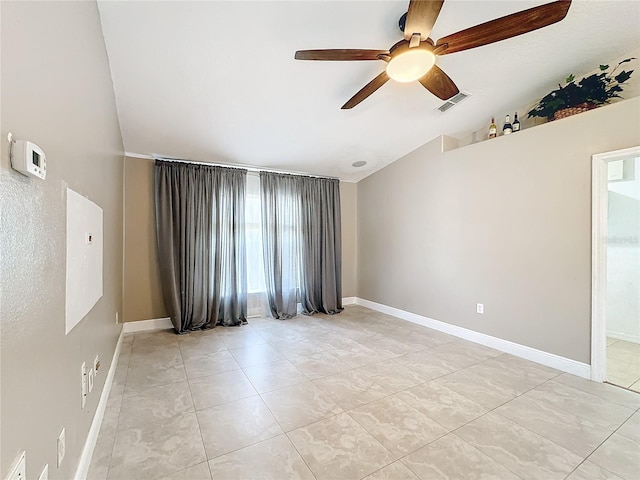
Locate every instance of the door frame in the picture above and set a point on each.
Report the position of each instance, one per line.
(599, 209)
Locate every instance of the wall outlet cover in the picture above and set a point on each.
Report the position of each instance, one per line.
(45, 473)
(84, 383)
(90, 380)
(61, 447)
(480, 308)
(19, 469)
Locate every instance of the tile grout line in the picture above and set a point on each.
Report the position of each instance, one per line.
(300, 454)
(390, 395)
(204, 448)
(452, 432)
(522, 426)
(312, 380)
(124, 386)
(258, 394)
(186, 379)
(457, 428)
(422, 383)
(602, 443)
(399, 459)
(286, 434)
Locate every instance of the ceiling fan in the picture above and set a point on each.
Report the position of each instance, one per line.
(414, 57)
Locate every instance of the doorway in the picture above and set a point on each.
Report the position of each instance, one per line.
(615, 340)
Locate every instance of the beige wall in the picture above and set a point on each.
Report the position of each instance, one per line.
(56, 92)
(505, 222)
(142, 299)
(349, 211)
(142, 292)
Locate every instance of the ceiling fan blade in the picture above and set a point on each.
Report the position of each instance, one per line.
(340, 54)
(504, 27)
(421, 16)
(367, 90)
(439, 83)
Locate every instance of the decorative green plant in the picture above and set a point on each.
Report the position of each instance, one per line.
(591, 91)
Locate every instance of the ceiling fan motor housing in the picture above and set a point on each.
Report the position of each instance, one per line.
(403, 46)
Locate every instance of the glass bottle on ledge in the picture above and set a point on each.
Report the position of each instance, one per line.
(516, 123)
(507, 128)
(493, 128)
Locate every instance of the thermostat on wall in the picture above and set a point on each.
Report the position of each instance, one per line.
(28, 159)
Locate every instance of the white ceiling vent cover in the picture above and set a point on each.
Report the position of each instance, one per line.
(453, 101)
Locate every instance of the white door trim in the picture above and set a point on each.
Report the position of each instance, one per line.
(599, 206)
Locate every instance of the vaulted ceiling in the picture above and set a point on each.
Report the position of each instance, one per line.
(217, 81)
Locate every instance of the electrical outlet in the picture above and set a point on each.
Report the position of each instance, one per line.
(96, 365)
(84, 384)
(480, 308)
(61, 447)
(90, 380)
(19, 469)
(45, 473)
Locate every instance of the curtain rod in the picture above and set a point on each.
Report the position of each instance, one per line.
(217, 164)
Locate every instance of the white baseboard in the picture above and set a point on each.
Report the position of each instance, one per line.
(94, 430)
(549, 359)
(623, 336)
(142, 325)
(164, 323)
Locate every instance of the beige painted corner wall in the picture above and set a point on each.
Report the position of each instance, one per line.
(142, 297)
(57, 92)
(506, 223)
(142, 291)
(349, 214)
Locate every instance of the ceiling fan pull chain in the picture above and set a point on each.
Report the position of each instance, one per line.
(415, 40)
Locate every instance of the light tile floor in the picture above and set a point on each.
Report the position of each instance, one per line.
(357, 395)
(623, 363)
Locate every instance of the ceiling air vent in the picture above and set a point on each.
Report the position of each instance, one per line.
(453, 101)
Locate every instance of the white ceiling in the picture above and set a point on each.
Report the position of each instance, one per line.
(216, 81)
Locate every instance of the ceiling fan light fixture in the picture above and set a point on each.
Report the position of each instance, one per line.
(411, 64)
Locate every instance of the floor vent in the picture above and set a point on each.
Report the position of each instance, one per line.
(453, 101)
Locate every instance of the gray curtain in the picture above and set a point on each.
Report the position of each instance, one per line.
(281, 241)
(301, 244)
(201, 244)
(321, 279)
